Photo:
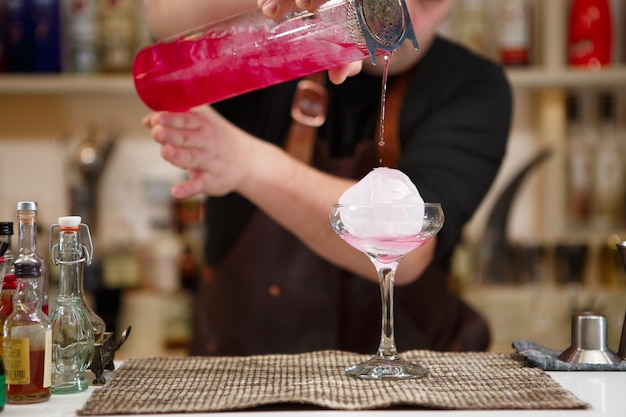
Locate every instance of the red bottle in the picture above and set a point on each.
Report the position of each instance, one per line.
(590, 38)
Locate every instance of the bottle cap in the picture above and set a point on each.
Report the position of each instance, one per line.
(27, 270)
(9, 282)
(69, 221)
(6, 228)
(27, 205)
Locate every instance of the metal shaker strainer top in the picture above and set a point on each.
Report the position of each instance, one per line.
(380, 25)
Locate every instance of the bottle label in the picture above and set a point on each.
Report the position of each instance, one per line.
(47, 370)
(17, 361)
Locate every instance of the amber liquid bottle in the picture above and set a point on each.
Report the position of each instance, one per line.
(27, 340)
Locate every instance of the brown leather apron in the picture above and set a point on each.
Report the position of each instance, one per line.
(271, 294)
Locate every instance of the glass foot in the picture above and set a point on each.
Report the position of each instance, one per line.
(385, 368)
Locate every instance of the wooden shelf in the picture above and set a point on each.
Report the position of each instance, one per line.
(122, 84)
(567, 78)
(62, 84)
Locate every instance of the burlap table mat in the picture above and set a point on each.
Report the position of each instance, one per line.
(203, 384)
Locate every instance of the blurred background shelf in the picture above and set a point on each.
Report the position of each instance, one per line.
(65, 84)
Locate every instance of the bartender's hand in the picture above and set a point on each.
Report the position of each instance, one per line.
(275, 8)
(216, 155)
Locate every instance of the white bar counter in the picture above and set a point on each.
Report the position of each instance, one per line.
(604, 391)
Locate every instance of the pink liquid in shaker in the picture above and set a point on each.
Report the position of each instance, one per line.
(231, 58)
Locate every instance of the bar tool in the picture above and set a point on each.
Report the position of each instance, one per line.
(104, 355)
(589, 344)
(621, 247)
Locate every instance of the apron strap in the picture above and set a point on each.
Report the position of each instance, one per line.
(308, 111)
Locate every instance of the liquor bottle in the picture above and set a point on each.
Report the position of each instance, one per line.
(46, 35)
(590, 35)
(6, 258)
(248, 51)
(27, 339)
(579, 166)
(471, 25)
(27, 246)
(609, 182)
(82, 36)
(18, 40)
(514, 33)
(117, 31)
(72, 333)
(9, 284)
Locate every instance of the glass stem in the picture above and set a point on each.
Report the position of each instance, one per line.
(386, 273)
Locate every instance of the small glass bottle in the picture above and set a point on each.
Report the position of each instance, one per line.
(27, 339)
(72, 334)
(6, 259)
(9, 284)
(27, 246)
(248, 51)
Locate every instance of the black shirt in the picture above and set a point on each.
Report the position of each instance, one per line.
(453, 127)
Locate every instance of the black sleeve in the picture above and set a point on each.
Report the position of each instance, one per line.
(454, 127)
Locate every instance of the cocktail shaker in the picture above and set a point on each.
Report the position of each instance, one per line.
(248, 51)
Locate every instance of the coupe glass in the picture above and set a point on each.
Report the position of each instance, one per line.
(385, 233)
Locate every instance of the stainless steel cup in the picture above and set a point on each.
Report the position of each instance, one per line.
(589, 336)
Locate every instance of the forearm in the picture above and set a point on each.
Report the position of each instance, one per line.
(299, 197)
(167, 17)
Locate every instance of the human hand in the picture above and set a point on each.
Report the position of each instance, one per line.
(213, 151)
(275, 8)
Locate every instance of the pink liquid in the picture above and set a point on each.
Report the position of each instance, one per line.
(386, 249)
(232, 58)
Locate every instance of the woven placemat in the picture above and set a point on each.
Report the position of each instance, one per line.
(203, 384)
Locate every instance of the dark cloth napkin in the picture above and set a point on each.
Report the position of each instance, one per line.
(547, 359)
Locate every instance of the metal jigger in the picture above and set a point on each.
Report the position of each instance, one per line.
(621, 247)
(589, 341)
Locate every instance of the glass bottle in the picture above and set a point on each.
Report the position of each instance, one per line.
(82, 36)
(117, 32)
(579, 165)
(249, 52)
(6, 258)
(9, 284)
(27, 339)
(609, 182)
(98, 326)
(590, 34)
(514, 32)
(72, 334)
(27, 246)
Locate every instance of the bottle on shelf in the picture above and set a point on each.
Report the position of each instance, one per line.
(82, 36)
(590, 34)
(17, 28)
(579, 165)
(9, 284)
(117, 32)
(72, 331)
(514, 37)
(472, 29)
(27, 246)
(609, 184)
(46, 36)
(27, 339)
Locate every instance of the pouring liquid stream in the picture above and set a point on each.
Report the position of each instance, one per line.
(383, 100)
